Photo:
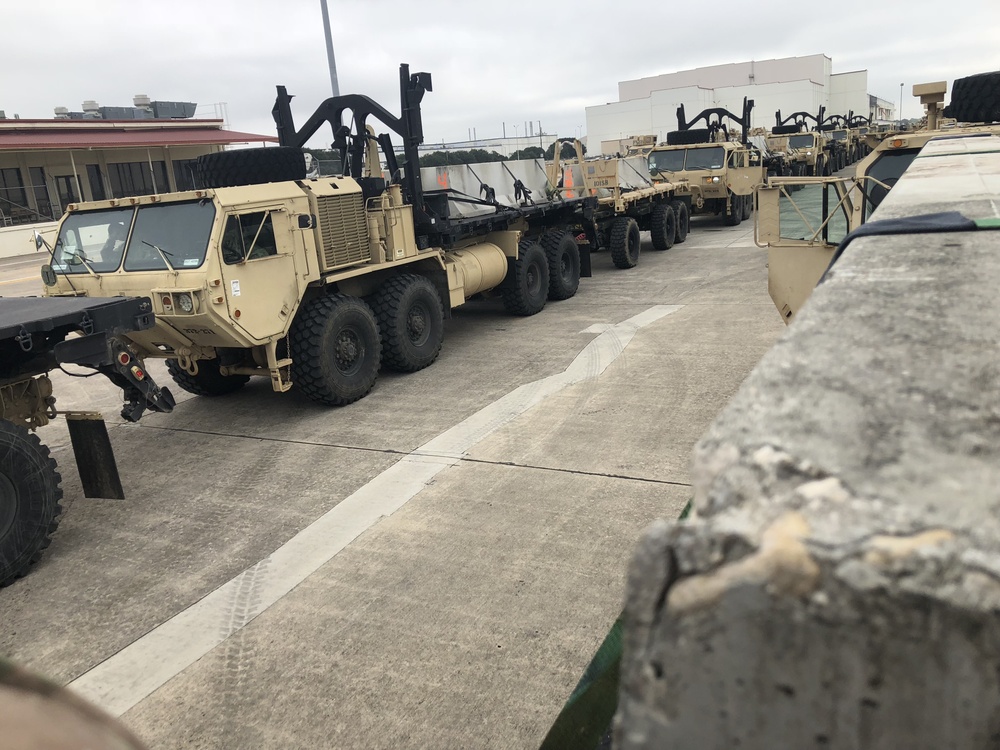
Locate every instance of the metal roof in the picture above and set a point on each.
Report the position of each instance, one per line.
(45, 135)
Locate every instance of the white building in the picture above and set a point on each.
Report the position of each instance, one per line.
(791, 84)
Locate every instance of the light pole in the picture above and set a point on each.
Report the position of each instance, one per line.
(900, 106)
(579, 131)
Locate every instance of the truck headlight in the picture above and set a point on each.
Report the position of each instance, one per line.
(185, 303)
(809, 153)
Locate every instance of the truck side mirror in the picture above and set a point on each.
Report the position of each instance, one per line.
(39, 240)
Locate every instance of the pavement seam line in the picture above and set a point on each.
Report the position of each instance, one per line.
(127, 677)
(416, 451)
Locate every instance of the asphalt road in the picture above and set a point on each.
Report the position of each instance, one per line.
(433, 566)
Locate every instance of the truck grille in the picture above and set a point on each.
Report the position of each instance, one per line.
(343, 230)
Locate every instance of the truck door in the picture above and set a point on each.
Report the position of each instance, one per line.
(258, 271)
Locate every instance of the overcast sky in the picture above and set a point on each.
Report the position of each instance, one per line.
(491, 64)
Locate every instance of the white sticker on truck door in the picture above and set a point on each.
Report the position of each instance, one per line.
(235, 283)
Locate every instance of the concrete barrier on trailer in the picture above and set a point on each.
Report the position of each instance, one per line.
(839, 582)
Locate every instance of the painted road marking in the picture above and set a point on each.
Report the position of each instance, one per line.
(18, 281)
(127, 677)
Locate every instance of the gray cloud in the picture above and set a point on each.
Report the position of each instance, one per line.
(501, 63)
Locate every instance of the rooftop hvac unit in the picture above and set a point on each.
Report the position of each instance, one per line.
(62, 113)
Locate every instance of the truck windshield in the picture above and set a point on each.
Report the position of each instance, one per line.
(887, 169)
(706, 158)
(838, 135)
(801, 141)
(667, 161)
(179, 231)
(94, 238)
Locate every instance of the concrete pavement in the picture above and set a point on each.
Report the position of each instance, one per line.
(465, 617)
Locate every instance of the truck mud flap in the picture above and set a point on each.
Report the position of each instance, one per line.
(95, 459)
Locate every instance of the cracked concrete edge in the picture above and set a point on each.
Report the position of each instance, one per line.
(790, 611)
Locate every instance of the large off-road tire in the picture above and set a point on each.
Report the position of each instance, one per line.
(526, 286)
(29, 500)
(336, 349)
(747, 206)
(819, 168)
(563, 256)
(662, 226)
(625, 242)
(683, 220)
(250, 166)
(975, 98)
(209, 381)
(734, 214)
(411, 319)
(686, 137)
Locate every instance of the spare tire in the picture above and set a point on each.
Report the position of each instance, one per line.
(686, 137)
(250, 166)
(786, 129)
(975, 98)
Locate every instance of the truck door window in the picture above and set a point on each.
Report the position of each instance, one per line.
(248, 237)
(813, 213)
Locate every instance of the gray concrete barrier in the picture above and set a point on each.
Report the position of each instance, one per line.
(838, 585)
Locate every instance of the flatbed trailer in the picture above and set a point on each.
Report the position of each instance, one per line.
(38, 335)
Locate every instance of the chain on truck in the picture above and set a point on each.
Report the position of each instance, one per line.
(802, 231)
(319, 282)
(715, 175)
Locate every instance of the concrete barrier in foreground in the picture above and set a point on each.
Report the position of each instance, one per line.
(838, 585)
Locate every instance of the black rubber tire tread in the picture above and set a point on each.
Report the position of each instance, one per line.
(625, 242)
(526, 286)
(685, 137)
(250, 166)
(662, 226)
(313, 338)
(975, 98)
(747, 207)
(819, 168)
(29, 471)
(563, 256)
(392, 304)
(209, 381)
(734, 214)
(683, 220)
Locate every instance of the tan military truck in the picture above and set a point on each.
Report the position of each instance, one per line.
(316, 283)
(715, 174)
(629, 200)
(802, 232)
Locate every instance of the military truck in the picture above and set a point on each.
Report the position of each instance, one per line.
(813, 153)
(629, 200)
(316, 283)
(38, 335)
(802, 232)
(717, 175)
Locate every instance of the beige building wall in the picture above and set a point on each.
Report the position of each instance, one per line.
(815, 68)
(849, 93)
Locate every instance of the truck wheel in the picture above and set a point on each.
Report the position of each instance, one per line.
(663, 226)
(250, 166)
(683, 220)
(734, 215)
(818, 168)
(624, 242)
(209, 381)
(747, 206)
(563, 256)
(411, 319)
(29, 500)
(526, 285)
(975, 98)
(336, 351)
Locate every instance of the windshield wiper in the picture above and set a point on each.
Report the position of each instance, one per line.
(163, 254)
